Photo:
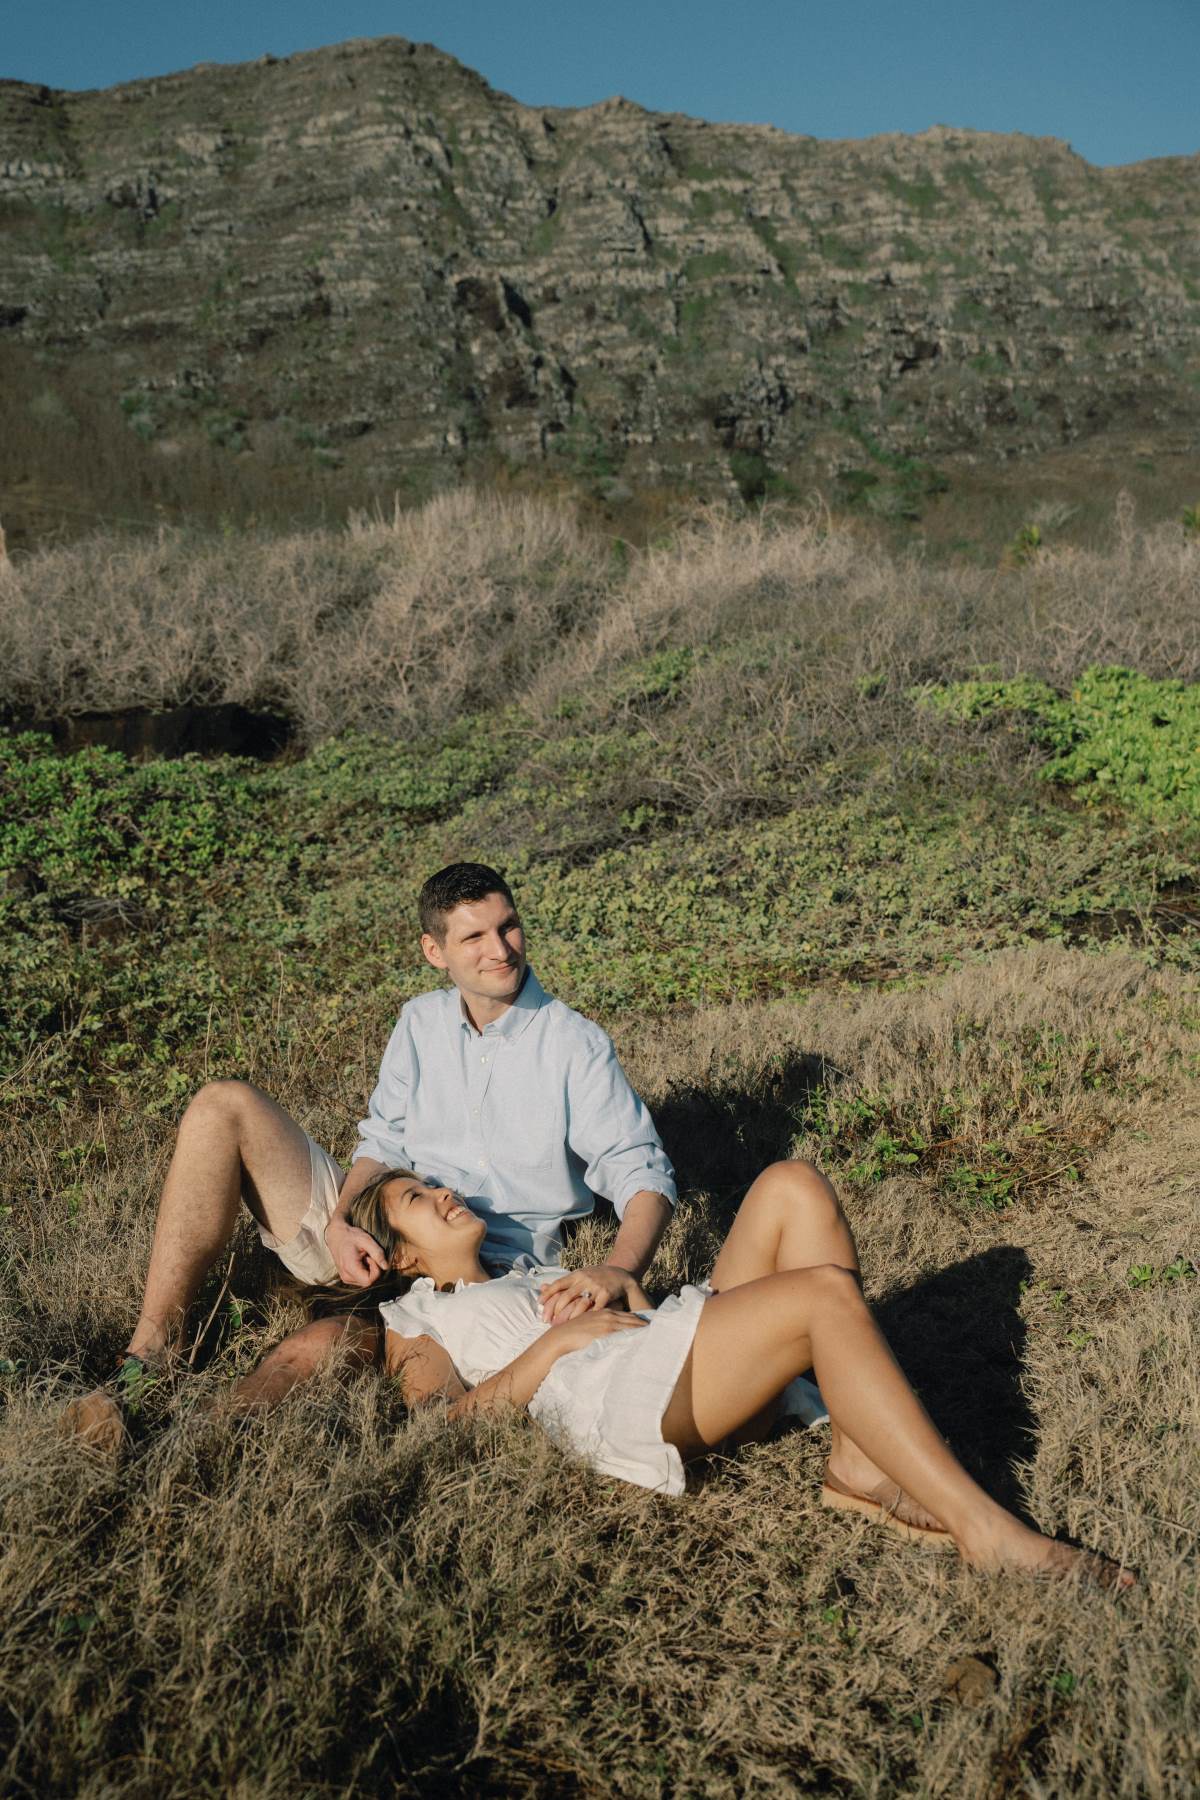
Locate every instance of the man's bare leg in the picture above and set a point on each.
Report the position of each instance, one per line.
(791, 1218)
(234, 1144)
(357, 1337)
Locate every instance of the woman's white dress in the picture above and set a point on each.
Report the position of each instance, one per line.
(604, 1402)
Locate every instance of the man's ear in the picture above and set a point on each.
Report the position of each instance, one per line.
(433, 950)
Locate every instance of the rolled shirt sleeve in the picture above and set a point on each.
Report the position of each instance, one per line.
(381, 1133)
(610, 1128)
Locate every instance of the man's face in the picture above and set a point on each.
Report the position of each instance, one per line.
(483, 951)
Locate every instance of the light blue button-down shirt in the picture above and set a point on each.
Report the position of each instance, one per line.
(528, 1119)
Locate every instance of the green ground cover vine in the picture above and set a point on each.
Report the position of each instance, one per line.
(140, 901)
(1117, 736)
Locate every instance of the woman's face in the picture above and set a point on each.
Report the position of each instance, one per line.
(435, 1228)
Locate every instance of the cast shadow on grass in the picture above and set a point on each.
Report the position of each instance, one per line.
(960, 1339)
(958, 1333)
(720, 1139)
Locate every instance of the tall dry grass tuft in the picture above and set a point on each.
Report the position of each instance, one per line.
(428, 613)
(475, 596)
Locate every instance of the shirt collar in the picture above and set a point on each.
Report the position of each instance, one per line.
(530, 999)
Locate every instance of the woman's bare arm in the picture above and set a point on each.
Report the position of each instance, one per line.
(427, 1373)
(519, 1382)
(425, 1370)
(515, 1385)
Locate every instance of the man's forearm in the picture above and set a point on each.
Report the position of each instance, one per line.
(646, 1218)
(353, 1183)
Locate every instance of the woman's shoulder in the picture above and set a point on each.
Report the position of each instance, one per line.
(421, 1300)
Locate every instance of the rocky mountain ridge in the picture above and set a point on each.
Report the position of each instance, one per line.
(366, 258)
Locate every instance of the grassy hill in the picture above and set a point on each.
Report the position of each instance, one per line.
(859, 858)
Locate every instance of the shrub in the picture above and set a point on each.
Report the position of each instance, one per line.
(1026, 545)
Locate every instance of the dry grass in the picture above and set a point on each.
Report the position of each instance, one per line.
(441, 609)
(341, 1600)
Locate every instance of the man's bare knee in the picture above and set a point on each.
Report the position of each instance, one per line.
(299, 1357)
(317, 1338)
(314, 1344)
(221, 1100)
(234, 1107)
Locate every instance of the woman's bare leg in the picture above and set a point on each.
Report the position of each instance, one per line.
(357, 1337)
(792, 1218)
(754, 1338)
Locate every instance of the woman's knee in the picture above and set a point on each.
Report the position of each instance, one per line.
(829, 1284)
(794, 1183)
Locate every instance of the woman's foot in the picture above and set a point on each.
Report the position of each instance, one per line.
(1006, 1544)
(887, 1505)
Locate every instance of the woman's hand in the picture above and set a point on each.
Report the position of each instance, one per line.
(578, 1333)
(593, 1288)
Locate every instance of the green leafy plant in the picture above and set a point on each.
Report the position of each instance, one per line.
(1026, 545)
(135, 1381)
(1147, 1275)
(1118, 735)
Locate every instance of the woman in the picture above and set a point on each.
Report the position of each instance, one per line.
(639, 1393)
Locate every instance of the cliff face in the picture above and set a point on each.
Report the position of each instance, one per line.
(366, 257)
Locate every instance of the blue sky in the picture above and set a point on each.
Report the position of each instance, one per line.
(1118, 80)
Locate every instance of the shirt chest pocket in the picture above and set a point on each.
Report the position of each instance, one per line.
(525, 1123)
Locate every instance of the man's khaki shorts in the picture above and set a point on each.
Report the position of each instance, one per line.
(305, 1255)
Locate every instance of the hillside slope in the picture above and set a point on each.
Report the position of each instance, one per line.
(366, 258)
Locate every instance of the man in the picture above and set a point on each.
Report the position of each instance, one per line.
(490, 1085)
(513, 1099)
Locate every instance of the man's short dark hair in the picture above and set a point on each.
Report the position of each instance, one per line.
(456, 885)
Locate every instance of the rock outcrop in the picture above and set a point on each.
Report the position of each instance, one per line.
(366, 257)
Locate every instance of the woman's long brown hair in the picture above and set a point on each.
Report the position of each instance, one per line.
(367, 1210)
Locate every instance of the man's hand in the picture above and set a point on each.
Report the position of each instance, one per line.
(591, 1289)
(357, 1257)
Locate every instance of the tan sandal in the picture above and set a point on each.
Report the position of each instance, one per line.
(841, 1498)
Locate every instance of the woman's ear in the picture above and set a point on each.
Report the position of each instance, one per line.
(404, 1260)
